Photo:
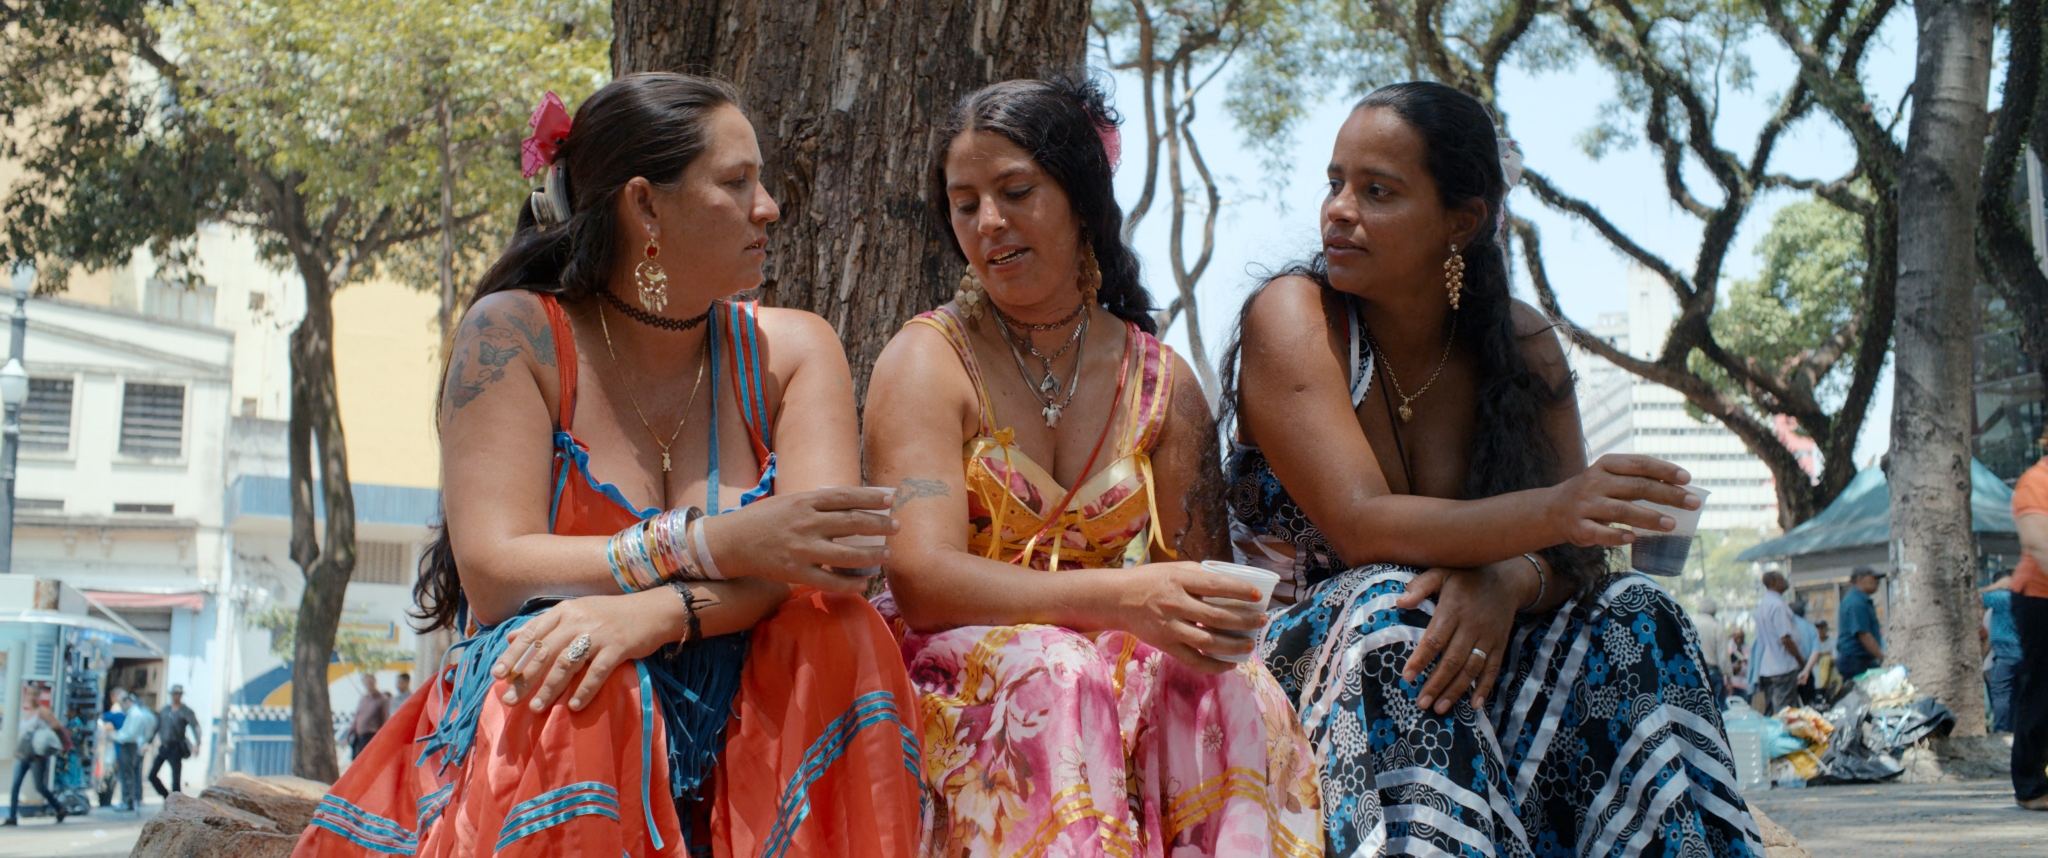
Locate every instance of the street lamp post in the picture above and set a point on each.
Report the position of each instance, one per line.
(13, 392)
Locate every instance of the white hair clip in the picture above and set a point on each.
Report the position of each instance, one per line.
(551, 202)
(1510, 160)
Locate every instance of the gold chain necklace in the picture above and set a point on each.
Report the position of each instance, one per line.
(1406, 412)
(628, 387)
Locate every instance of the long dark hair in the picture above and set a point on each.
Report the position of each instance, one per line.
(1511, 448)
(1057, 121)
(650, 125)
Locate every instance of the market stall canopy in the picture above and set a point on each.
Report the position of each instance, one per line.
(1861, 516)
(118, 634)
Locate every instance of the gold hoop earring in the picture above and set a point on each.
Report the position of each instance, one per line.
(1454, 275)
(970, 296)
(1091, 276)
(652, 280)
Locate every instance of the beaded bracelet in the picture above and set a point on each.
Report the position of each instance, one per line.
(656, 550)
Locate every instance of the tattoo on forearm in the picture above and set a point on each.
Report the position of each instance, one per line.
(912, 489)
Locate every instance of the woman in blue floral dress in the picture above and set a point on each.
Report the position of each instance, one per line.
(1410, 460)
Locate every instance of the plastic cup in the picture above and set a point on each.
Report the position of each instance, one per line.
(1655, 553)
(867, 540)
(1260, 578)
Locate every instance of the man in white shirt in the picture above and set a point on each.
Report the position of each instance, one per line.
(135, 731)
(1713, 646)
(1778, 654)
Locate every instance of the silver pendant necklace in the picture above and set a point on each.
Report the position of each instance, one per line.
(1047, 389)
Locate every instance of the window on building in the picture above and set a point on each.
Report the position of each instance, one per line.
(248, 406)
(181, 301)
(38, 505)
(383, 563)
(153, 420)
(256, 300)
(46, 416)
(143, 508)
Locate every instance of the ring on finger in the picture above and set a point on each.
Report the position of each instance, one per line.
(578, 648)
(1479, 653)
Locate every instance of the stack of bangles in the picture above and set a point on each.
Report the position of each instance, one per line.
(668, 549)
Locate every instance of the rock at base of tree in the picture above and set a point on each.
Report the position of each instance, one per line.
(284, 800)
(1778, 843)
(190, 827)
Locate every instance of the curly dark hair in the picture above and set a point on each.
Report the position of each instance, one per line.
(1057, 120)
(651, 125)
(1511, 450)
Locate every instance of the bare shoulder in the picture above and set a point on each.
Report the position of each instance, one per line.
(1289, 302)
(800, 331)
(919, 370)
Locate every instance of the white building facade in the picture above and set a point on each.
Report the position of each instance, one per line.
(1623, 413)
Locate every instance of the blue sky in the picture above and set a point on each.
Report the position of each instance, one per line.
(1263, 226)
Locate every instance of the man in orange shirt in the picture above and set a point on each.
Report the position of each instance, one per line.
(2029, 587)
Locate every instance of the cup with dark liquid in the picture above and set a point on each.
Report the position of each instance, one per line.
(1655, 553)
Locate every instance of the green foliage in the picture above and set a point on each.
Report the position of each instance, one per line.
(363, 652)
(1803, 300)
(315, 124)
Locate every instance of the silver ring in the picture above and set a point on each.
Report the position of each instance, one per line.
(580, 647)
(1479, 653)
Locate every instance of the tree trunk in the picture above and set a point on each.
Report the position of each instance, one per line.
(846, 96)
(327, 561)
(1933, 621)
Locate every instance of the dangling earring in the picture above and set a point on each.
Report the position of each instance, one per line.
(969, 296)
(1454, 275)
(1091, 276)
(652, 280)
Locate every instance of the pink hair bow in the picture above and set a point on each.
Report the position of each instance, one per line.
(550, 124)
(1112, 143)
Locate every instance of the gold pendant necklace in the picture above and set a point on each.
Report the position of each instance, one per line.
(1407, 413)
(635, 401)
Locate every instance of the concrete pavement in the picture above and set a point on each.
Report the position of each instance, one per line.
(1894, 820)
(103, 833)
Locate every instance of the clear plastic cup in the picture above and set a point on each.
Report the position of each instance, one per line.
(1260, 578)
(867, 540)
(1655, 553)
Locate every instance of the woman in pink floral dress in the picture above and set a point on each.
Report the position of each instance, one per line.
(1080, 696)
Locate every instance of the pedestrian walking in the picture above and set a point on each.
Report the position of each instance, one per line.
(1713, 646)
(404, 691)
(2029, 589)
(371, 714)
(42, 737)
(1860, 646)
(1778, 657)
(137, 728)
(172, 725)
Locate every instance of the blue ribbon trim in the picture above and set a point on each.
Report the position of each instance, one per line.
(364, 828)
(867, 710)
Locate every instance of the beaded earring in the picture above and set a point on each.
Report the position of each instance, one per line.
(969, 296)
(1454, 275)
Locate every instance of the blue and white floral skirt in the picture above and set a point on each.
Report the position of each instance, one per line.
(1600, 738)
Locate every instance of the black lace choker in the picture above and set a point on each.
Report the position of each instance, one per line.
(643, 317)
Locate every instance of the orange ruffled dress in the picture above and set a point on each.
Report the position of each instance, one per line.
(1040, 740)
(816, 756)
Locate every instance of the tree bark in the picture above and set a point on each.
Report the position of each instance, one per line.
(1933, 610)
(846, 97)
(328, 560)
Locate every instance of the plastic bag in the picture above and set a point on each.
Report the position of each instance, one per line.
(1779, 741)
(1895, 728)
(1886, 687)
(1851, 755)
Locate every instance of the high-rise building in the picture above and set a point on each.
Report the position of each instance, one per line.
(1623, 413)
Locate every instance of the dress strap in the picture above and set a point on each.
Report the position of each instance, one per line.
(565, 357)
(948, 326)
(1153, 395)
(743, 325)
(1361, 357)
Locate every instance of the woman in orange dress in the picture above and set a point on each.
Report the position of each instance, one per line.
(1080, 697)
(612, 422)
